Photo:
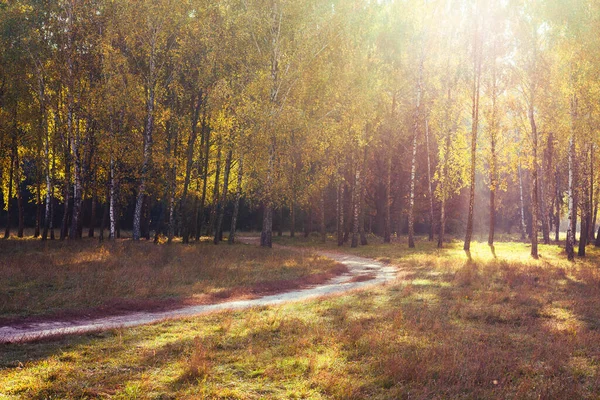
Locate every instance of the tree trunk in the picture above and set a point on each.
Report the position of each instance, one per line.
(11, 174)
(236, 204)
(387, 230)
(477, 45)
(322, 219)
(148, 130)
(308, 227)
(266, 236)
(545, 217)
(293, 216)
(105, 213)
(66, 189)
(411, 201)
(356, 207)
(43, 146)
(583, 230)
(557, 204)
(570, 244)
(112, 204)
(429, 184)
(77, 187)
(522, 204)
(147, 217)
(38, 208)
(52, 199)
(591, 212)
(206, 132)
(443, 186)
(185, 208)
(363, 188)
(21, 211)
(585, 210)
(171, 150)
(280, 224)
(93, 215)
(493, 183)
(215, 199)
(49, 188)
(535, 188)
(594, 219)
(340, 214)
(221, 204)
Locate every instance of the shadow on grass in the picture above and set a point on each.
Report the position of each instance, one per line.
(494, 329)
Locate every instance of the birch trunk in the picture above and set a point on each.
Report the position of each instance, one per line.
(93, 216)
(474, 127)
(363, 185)
(594, 218)
(38, 209)
(147, 143)
(356, 207)
(184, 210)
(443, 185)
(557, 204)
(413, 165)
(493, 186)
(236, 204)
(21, 211)
(411, 201)
(49, 188)
(429, 184)
(52, 199)
(280, 222)
(583, 229)
(11, 174)
(215, 200)
(545, 170)
(76, 212)
(570, 244)
(535, 188)
(266, 236)
(493, 157)
(293, 215)
(205, 179)
(522, 204)
(340, 214)
(104, 216)
(322, 222)
(221, 205)
(387, 231)
(591, 213)
(112, 206)
(172, 146)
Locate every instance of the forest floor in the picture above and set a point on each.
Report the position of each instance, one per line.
(488, 326)
(64, 280)
(346, 273)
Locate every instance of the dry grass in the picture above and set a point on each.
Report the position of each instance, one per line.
(505, 327)
(86, 277)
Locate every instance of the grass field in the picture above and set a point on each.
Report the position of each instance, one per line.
(504, 327)
(84, 277)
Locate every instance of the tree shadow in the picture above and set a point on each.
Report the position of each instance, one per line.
(493, 250)
(468, 254)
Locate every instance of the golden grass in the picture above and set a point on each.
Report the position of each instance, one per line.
(505, 327)
(62, 277)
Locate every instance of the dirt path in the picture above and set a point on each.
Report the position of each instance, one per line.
(362, 272)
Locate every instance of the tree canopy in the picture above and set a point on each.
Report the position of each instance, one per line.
(188, 118)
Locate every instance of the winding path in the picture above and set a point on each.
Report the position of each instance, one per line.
(377, 272)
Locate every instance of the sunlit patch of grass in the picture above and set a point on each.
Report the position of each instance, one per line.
(56, 277)
(453, 328)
